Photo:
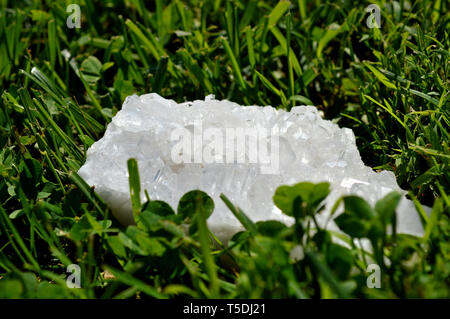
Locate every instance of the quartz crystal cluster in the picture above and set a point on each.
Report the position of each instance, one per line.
(308, 148)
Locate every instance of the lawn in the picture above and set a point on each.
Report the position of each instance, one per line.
(61, 84)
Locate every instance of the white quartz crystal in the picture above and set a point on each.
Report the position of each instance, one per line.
(309, 149)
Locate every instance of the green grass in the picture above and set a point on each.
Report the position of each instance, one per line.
(60, 87)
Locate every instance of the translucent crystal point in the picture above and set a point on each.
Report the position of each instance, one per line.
(308, 148)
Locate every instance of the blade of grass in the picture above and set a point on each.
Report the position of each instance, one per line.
(205, 249)
(240, 215)
(128, 279)
(135, 187)
(234, 64)
(278, 12)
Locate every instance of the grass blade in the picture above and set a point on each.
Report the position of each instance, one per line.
(240, 215)
(135, 187)
(234, 63)
(278, 12)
